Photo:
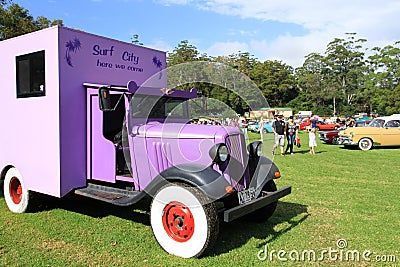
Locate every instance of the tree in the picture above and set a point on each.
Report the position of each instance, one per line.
(15, 20)
(340, 81)
(382, 93)
(346, 71)
(276, 81)
(313, 90)
(184, 52)
(335, 81)
(42, 22)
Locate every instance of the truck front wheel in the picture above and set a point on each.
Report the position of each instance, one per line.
(15, 195)
(184, 220)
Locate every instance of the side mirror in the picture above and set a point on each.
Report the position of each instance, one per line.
(104, 99)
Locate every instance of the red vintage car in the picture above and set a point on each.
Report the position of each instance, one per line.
(331, 137)
(327, 126)
(304, 124)
(320, 125)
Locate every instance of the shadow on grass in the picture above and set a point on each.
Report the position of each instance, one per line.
(98, 209)
(239, 232)
(355, 147)
(232, 235)
(308, 151)
(90, 207)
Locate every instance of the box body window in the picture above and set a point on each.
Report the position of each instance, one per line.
(31, 75)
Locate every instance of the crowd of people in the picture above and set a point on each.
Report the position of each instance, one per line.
(290, 130)
(284, 132)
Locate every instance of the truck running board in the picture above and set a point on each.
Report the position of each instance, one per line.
(116, 196)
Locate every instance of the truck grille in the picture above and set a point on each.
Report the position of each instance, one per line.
(237, 167)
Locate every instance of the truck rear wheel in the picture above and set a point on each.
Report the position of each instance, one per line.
(184, 220)
(264, 213)
(15, 195)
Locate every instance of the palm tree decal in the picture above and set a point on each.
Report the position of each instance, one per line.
(158, 64)
(72, 46)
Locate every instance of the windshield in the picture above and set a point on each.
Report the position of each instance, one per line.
(154, 107)
(376, 123)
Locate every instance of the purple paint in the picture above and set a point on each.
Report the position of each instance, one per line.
(45, 138)
(62, 140)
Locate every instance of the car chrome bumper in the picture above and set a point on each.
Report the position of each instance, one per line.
(346, 140)
(242, 210)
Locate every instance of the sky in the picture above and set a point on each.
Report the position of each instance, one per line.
(284, 30)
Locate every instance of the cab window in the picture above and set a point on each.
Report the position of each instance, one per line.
(153, 107)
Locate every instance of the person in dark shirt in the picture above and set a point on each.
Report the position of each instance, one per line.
(291, 134)
(279, 129)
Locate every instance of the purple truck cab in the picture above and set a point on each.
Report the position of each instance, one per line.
(80, 115)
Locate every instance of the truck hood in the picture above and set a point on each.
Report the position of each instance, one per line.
(184, 131)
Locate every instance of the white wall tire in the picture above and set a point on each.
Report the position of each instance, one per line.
(15, 194)
(365, 144)
(184, 221)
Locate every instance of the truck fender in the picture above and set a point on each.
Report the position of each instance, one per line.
(262, 170)
(206, 179)
(4, 171)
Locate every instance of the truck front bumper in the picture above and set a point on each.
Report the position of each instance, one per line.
(244, 209)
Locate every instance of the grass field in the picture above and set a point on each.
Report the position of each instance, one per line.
(339, 196)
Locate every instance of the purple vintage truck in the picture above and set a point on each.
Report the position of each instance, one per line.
(78, 116)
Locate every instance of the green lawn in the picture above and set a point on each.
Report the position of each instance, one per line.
(336, 194)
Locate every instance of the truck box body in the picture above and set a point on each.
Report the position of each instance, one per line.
(44, 125)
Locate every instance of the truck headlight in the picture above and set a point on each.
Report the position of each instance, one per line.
(219, 153)
(255, 149)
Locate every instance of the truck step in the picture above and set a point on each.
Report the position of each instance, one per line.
(116, 196)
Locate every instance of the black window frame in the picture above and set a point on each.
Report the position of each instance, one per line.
(155, 107)
(36, 74)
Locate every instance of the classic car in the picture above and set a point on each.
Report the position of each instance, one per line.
(320, 125)
(332, 137)
(327, 126)
(252, 125)
(267, 127)
(362, 123)
(381, 131)
(304, 123)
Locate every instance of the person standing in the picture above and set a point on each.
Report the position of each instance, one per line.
(261, 124)
(245, 125)
(291, 134)
(279, 128)
(312, 139)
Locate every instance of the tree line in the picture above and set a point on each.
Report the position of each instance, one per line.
(347, 78)
(16, 20)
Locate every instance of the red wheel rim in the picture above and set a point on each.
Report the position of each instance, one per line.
(15, 190)
(178, 221)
